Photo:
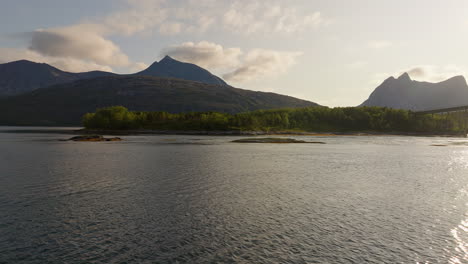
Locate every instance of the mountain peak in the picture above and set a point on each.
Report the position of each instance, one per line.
(456, 81)
(167, 58)
(404, 77)
(26, 66)
(458, 78)
(172, 68)
(22, 61)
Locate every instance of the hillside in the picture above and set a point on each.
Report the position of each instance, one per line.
(404, 93)
(24, 76)
(65, 104)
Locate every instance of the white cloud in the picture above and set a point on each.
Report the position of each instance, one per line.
(78, 42)
(86, 45)
(138, 66)
(75, 65)
(66, 64)
(237, 16)
(203, 24)
(264, 17)
(255, 64)
(424, 73)
(138, 16)
(262, 63)
(198, 16)
(432, 73)
(205, 54)
(170, 28)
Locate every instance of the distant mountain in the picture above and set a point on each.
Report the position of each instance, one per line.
(23, 76)
(171, 68)
(404, 93)
(65, 104)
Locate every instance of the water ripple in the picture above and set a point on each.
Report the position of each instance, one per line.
(354, 200)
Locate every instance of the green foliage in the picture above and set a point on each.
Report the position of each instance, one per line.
(347, 119)
(115, 117)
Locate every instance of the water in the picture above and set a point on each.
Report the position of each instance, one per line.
(195, 199)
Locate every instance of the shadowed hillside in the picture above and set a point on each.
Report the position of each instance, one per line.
(65, 104)
(23, 76)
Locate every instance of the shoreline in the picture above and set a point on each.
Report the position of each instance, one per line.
(83, 131)
(258, 133)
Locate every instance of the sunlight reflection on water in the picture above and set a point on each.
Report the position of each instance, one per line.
(460, 232)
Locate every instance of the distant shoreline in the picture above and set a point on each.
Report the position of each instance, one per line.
(71, 131)
(256, 133)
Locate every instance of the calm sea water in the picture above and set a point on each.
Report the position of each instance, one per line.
(196, 199)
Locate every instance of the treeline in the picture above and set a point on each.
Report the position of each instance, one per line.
(316, 119)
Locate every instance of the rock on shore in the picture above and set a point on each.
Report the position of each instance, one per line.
(93, 138)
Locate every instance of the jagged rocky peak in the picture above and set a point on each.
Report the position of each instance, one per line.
(166, 61)
(405, 77)
(404, 93)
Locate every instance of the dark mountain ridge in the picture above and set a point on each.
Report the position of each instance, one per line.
(23, 76)
(405, 93)
(65, 104)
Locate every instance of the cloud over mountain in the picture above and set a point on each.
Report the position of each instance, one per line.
(425, 73)
(205, 54)
(78, 42)
(237, 67)
(261, 63)
(434, 73)
(66, 64)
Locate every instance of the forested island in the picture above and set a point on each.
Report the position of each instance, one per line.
(293, 120)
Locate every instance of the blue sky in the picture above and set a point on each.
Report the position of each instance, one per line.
(327, 51)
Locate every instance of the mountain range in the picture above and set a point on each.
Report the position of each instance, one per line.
(23, 76)
(39, 94)
(405, 93)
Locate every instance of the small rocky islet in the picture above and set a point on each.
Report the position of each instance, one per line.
(276, 141)
(93, 138)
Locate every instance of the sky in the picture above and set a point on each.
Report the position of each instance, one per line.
(332, 52)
